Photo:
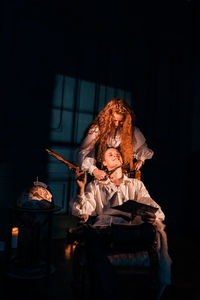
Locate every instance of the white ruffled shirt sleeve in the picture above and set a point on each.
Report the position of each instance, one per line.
(141, 150)
(86, 154)
(85, 204)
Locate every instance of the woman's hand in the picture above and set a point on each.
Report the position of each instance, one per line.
(149, 217)
(138, 164)
(99, 174)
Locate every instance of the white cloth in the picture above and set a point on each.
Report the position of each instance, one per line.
(95, 202)
(86, 154)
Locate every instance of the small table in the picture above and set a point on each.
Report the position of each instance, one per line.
(27, 263)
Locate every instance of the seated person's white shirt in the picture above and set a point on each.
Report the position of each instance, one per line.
(99, 193)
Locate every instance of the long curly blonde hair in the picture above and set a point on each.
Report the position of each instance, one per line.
(104, 122)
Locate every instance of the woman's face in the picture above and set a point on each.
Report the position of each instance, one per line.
(118, 120)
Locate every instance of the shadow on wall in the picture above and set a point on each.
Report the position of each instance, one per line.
(191, 203)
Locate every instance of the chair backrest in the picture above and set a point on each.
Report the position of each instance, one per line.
(134, 174)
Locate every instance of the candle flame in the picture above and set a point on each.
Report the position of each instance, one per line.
(15, 231)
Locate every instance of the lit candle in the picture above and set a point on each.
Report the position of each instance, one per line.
(15, 232)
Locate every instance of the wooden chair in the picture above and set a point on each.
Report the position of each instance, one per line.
(142, 279)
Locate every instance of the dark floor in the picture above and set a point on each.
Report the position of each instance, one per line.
(184, 251)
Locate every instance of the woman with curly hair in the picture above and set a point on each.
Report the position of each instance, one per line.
(113, 127)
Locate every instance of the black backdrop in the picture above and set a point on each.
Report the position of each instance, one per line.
(150, 48)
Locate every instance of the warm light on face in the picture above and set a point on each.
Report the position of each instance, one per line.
(118, 120)
(112, 158)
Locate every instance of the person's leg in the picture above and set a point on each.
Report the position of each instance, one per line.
(102, 276)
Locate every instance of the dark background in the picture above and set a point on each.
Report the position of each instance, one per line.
(149, 48)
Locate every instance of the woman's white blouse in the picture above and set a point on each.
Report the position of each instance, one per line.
(86, 154)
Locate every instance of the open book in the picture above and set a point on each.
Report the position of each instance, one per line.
(136, 208)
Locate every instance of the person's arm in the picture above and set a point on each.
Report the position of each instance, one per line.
(141, 150)
(86, 155)
(84, 201)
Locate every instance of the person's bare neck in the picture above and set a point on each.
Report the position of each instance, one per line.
(117, 176)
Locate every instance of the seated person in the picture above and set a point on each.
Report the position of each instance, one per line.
(117, 188)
